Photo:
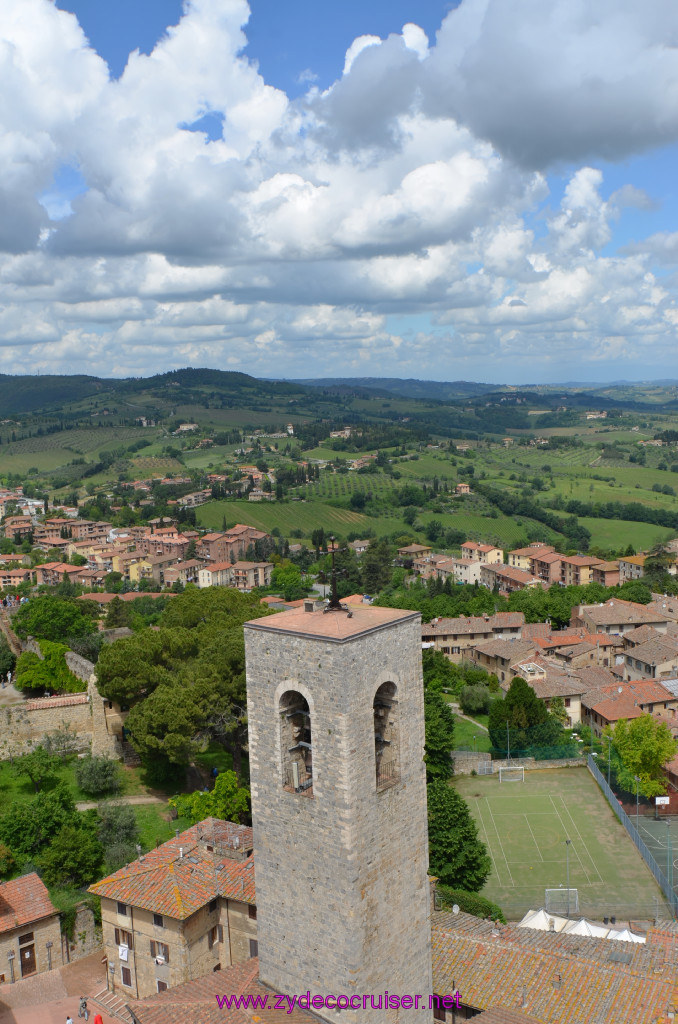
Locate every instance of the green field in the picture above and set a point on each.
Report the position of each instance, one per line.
(464, 733)
(154, 825)
(507, 530)
(287, 516)
(617, 533)
(525, 826)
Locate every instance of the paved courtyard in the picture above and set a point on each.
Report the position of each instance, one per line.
(48, 998)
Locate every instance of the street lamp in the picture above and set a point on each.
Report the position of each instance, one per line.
(609, 755)
(474, 744)
(637, 778)
(567, 856)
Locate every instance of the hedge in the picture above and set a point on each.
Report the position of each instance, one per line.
(470, 903)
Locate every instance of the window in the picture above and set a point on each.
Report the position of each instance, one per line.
(127, 977)
(124, 938)
(28, 937)
(160, 949)
(162, 986)
(158, 921)
(212, 907)
(212, 936)
(252, 913)
(122, 909)
(386, 746)
(567, 702)
(221, 934)
(296, 743)
(438, 1009)
(254, 947)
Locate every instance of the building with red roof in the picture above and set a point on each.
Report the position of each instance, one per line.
(181, 911)
(30, 932)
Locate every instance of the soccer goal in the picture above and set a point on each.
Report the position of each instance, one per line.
(515, 773)
(556, 901)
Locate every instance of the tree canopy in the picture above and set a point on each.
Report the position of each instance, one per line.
(456, 855)
(228, 800)
(439, 726)
(186, 679)
(530, 725)
(641, 747)
(54, 618)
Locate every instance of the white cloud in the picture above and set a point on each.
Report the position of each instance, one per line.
(413, 187)
(357, 47)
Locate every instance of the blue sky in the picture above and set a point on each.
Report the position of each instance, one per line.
(483, 189)
(286, 39)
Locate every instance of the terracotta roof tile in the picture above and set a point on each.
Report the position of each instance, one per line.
(195, 1001)
(336, 626)
(23, 900)
(182, 875)
(556, 978)
(465, 624)
(69, 700)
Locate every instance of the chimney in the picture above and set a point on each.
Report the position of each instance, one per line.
(181, 853)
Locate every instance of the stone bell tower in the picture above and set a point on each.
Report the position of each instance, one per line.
(336, 736)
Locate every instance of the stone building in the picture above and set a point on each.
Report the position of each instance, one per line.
(30, 933)
(181, 911)
(336, 735)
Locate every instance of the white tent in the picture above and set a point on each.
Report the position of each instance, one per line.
(625, 936)
(584, 927)
(544, 922)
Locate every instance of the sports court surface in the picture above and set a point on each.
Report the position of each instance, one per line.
(525, 825)
(661, 838)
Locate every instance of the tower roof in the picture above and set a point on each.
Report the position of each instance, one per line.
(337, 626)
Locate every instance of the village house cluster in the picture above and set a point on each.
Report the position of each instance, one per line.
(156, 553)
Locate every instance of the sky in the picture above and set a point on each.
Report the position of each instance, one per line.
(481, 190)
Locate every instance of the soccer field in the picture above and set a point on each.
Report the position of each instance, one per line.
(525, 825)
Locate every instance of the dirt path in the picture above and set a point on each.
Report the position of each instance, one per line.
(90, 805)
(455, 708)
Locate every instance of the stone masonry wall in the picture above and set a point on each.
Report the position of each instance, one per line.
(24, 726)
(342, 887)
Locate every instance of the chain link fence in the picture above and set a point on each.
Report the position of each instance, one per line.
(646, 854)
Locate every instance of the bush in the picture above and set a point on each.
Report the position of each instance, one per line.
(73, 857)
(7, 863)
(117, 824)
(469, 903)
(49, 672)
(475, 700)
(97, 775)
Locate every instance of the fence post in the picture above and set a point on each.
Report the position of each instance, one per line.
(645, 853)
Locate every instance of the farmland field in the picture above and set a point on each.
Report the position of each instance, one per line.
(287, 516)
(508, 530)
(613, 534)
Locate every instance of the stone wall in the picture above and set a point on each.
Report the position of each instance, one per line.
(342, 888)
(24, 726)
(79, 666)
(85, 938)
(465, 762)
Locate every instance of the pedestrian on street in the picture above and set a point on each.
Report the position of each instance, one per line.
(69, 1019)
(98, 1019)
